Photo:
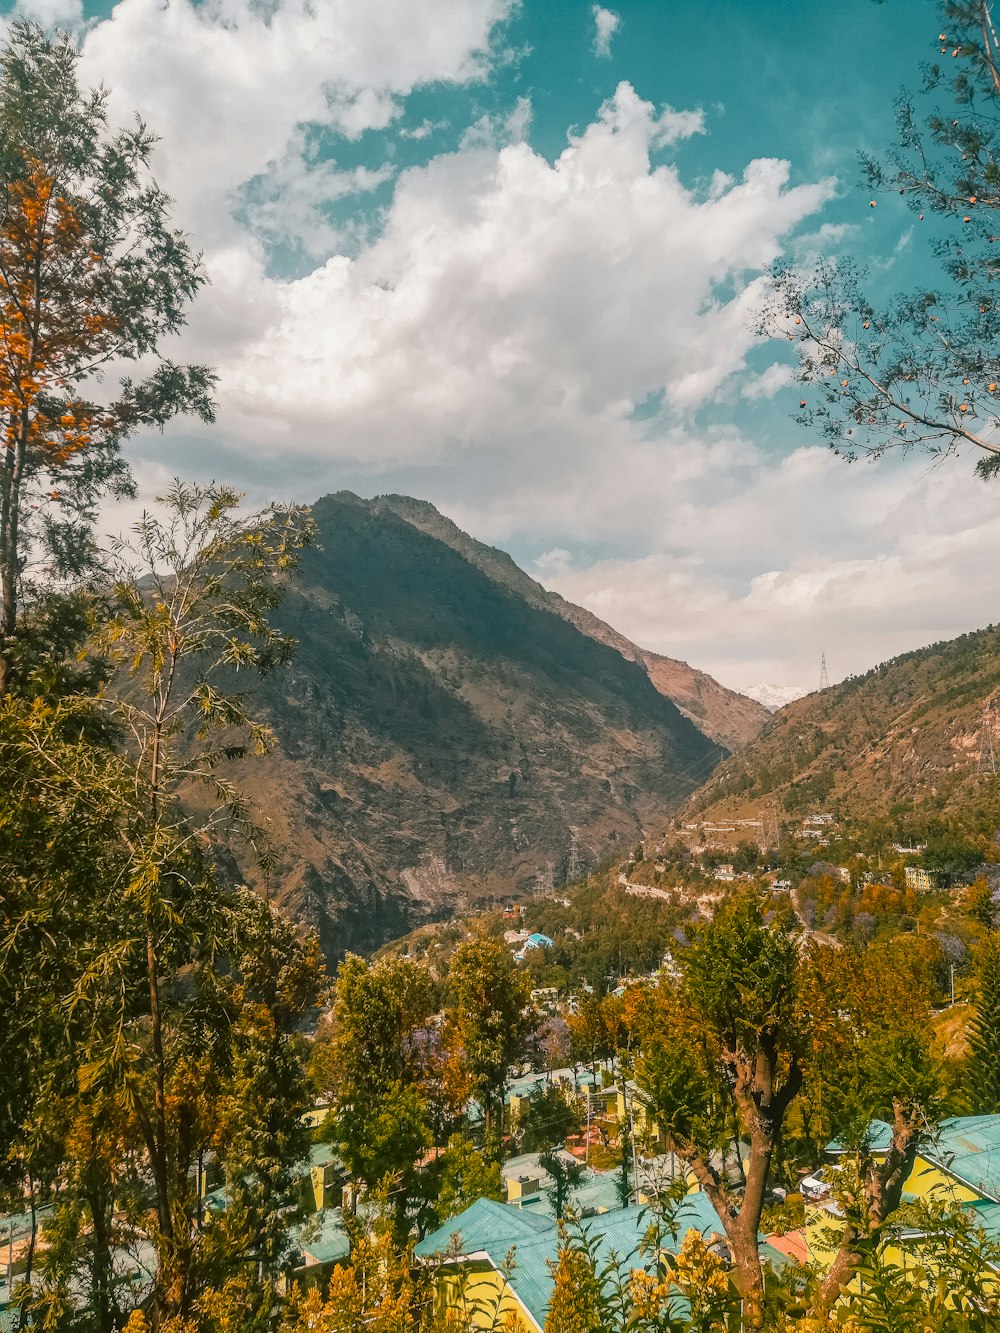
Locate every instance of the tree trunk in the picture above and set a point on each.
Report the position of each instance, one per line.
(11, 473)
(882, 1188)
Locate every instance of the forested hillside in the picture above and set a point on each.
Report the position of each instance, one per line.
(915, 736)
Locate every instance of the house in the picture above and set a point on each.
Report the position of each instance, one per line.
(320, 1244)
(918, 879)
(323, 1178)
(471, 1256)
(959, 1163)
(724, 873)
(529, 1186)
(534, 941)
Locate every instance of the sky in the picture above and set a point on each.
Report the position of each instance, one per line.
(506, 258)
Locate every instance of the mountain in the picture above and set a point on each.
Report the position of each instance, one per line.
(723, 715)
(449, 733)
(771, 696)
(916, 735)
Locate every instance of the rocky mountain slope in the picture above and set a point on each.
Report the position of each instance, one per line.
(723, 715)
(919, 734)
(448, 737)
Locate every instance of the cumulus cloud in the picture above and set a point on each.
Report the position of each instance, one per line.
(527, 342)
(606, 24)
(227, 84)
(508, 296)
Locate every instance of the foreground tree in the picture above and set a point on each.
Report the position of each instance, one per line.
(166, 1032)
(728, 1038)
(924, 370)
(91, 274)
(489, 1020)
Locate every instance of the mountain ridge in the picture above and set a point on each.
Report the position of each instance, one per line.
(912, 732)
(447, 737)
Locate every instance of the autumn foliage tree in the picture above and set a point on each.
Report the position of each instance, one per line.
(92, 275)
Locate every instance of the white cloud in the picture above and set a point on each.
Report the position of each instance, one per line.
(606, 24)
(497, 342)
(65, 14)
(804, 555)
(510, 296)
(227, 83)
(765, 385)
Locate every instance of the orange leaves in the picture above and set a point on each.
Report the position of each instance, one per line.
(50, 321)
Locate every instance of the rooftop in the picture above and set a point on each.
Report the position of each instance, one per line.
(492, 1229)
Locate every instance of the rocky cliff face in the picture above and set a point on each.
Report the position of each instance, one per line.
(448, 737)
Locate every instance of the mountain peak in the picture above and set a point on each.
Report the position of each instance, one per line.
(451, 734)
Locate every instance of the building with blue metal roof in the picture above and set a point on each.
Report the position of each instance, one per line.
(495, 1259)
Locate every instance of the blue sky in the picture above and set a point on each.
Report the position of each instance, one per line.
(506, 258)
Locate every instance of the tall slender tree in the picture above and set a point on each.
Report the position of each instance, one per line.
(92, 274)
(984, 1029)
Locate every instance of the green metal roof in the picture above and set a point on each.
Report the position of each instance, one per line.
(494, 1229)
(969, 1147)
(328, 1241)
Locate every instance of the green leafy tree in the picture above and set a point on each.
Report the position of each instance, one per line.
(91, 275)
(728, 1038)
(196, 992)
(984, 1029)
(566, 1176)
(545, 1118)
(922, 371)
(490, 1019)
(374, 1068)
(460, 1176)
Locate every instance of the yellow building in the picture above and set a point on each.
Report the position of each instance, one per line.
(959, 1164)
(495, 1259)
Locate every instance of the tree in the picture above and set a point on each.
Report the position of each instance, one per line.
(461, 1175)
(196, 997)
(547, 1117)
(924, 370)
(566, 1175)
(984, 1029)
(490, 1020)
(728, 1038)
(867, 1015)
(578, 1300)
(373, 1066)
(91, 275)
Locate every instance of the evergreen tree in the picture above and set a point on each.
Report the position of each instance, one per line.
(984, 1030)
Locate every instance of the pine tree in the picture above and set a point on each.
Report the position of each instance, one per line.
(984, 1030)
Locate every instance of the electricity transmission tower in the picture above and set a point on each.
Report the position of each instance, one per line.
(824, 679)
(573, 865)
(987, 758)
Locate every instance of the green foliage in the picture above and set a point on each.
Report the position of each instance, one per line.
(566, 1175)
(984, 1030)
(461, 1175)
(546, 1118)
(489, 1016)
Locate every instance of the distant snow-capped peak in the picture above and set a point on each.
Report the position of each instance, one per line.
(774, 696)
